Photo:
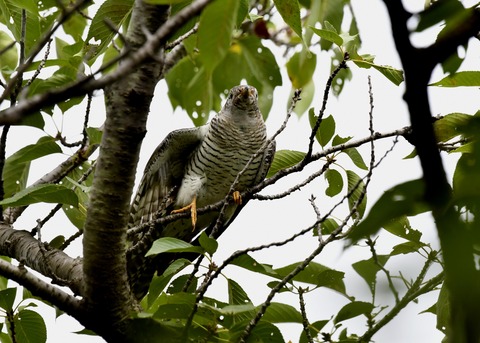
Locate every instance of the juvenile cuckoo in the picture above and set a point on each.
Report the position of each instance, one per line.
(196, 167)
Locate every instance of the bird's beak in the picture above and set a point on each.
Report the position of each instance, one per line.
(249, 93)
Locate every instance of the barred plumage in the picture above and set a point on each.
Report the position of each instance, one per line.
(199, 165)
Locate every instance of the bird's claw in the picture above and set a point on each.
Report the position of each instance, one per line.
(192, 207)
(237, 198)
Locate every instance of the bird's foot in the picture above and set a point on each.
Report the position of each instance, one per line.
(192, 207)
(237, 198)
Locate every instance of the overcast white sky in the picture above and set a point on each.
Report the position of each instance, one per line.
(264, 222)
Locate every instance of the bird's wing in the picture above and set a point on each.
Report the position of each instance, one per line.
(164, 173)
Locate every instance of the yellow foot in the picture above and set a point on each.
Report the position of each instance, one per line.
(237, 198)
(192, 207)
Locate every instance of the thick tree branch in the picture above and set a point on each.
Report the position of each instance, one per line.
(54, 263)
(107, 294)
(54, 295)
(462, 277)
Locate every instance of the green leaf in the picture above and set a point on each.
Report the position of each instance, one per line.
(356, 158)
(300, 68)
(335, 182)
(394, 75)
(230, 310)
(316, 274)
(30, 327)
(326, 130)
(159, 283)
(290, 12)
(75, 26)
(328, 35)
(177, 285)
(100, 35)
(44, 146)
(328, 226)
(164, 2)
(261, 61)
(249, 263)
(243, 8)
(466, 183)
(151, 330)
(170, 244)
(356, 189)
(406, 248)
(178, 305)
(7, 298)
(191, 88)
(337, 140)
(214, 32)
(343, 75)
(209, 244)
(281, 313)
(77, 215)
(94, 135)
(403, 199)
(437, 12)
(444, 311)
(284, 159)
(4, 280)
(368, 270)
(236, 294)
(11, 11)
(448, 126)
(263, 69)
(353, 309)
(400, 227)
(460, 79)
(332, 279)
(49, 193)
(9, 58)
(57, 242)
(17, 166)
(262, 332)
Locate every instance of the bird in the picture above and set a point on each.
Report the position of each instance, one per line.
(196, 167)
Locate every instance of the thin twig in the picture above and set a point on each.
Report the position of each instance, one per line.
(392, 287)
(305, 323)
(413, 292)
(180, 39)
(326, 92)
(3, 146)
(196, 267)
(318, 215)
(298, 186)
(41, 64)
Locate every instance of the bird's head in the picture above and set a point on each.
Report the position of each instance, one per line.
(242, 99)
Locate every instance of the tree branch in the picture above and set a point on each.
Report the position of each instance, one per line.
(55, 264)
(462, 278)
(54, 295)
